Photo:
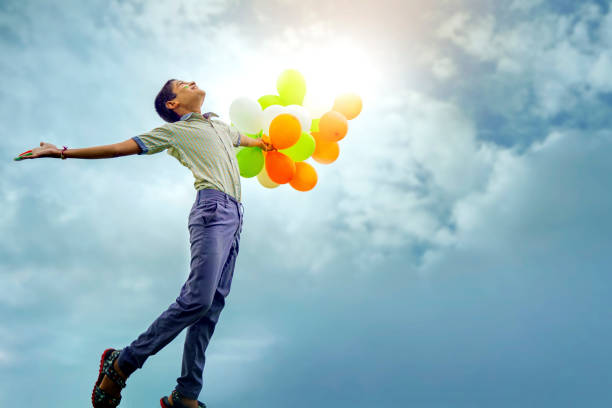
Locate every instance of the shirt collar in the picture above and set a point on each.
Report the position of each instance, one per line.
(206, 115)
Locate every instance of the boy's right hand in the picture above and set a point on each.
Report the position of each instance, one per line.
(265, 146)
(45, 150)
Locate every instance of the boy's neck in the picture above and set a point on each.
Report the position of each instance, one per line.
(184, 111)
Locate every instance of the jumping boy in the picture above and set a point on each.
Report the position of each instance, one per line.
(205, 146)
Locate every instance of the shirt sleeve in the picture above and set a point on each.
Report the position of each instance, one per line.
(234, 135)
(154, 141)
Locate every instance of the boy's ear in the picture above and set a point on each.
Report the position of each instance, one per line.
(172, 104)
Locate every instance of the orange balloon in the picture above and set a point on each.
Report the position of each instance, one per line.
(333, 126)
(266, 138)
(348, 104)
(305, 177)
(325, 152)
(280, 167)
(285, 130)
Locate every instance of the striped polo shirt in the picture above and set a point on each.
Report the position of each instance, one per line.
(202, 144)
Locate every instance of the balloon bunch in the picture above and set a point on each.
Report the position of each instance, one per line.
(296, 127)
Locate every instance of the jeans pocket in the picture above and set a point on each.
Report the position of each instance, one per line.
(206, 204)
(203, 213)
(208, 210)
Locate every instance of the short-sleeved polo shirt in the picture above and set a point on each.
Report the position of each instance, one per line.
(204, 145)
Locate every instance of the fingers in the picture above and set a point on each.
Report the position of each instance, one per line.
(267, 146)
(25, 155)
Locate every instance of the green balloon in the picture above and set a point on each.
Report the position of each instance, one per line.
(268, 100)
(291, 87)
(250, 161)
(314, 127)
(254, 135)
(303, 149)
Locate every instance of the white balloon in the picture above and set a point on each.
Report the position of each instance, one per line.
(265, 180)
(302, 114)
(269, 114)
(247, 115)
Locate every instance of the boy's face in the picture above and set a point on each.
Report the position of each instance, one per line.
(187, 95)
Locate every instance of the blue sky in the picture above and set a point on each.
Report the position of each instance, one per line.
(457, 254)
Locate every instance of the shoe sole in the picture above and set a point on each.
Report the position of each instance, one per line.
(161, 402)
(100, 374)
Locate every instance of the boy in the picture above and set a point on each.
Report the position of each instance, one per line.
(204, 145)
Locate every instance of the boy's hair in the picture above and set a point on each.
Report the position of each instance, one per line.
(162, 97)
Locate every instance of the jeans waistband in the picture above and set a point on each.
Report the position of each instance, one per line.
(209, 193)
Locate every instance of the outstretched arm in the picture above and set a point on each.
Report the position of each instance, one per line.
(250, 142)
(125, 148)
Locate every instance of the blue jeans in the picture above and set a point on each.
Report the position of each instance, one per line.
(215, 224)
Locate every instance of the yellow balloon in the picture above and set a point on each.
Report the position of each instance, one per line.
(264, 179)
(348, 104)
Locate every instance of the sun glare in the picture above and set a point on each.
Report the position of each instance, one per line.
(330, 68)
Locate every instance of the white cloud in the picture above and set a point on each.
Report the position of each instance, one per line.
(428, 159)
(553, 53)
(174, 21)
(525, 5)
(444, 68)
(599, 74)
(530, 208)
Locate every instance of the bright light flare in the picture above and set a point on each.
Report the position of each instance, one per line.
(331, 66)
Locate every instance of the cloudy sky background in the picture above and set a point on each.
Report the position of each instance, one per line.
(456, 254)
